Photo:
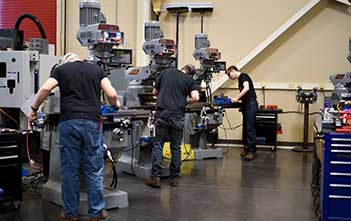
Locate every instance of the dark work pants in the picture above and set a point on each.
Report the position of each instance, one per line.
(169, 127)
(249, 110)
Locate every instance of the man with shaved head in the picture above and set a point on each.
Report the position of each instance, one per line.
(80, 131)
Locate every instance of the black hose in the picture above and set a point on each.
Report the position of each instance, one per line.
(34, 19)
(115, 176)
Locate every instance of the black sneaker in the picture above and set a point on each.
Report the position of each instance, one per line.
(249, 157)
(153, 182)
(173, 181)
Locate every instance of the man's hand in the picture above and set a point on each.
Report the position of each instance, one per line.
(118, 105)
(234, 100)
(32, 116)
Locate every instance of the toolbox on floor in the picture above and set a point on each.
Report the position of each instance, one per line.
(336, 177)
(10, 166)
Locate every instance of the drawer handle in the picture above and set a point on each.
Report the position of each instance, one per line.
(340, 185)
(9, 157)
(340, 145)
(340, 174)
(9, 147)
(340, 162)
(341, 139)
(340, 151)
(265, 117)
(339, 197)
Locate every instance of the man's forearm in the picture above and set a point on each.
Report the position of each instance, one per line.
(41, 96)
(113, 101)
(242, 93)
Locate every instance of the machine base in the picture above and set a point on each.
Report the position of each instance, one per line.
(202, 154)
(113, 198)
(141, 171)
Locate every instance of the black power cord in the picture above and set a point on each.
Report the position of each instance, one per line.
(109, 156)
(34, 19)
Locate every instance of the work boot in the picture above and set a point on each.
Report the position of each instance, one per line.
(63, 217)
(245, 151)
(103, 216)
(153, 182)
(249, 157)
(173, 181)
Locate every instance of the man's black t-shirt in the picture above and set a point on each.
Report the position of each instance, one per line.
(173, 86)
(80, 89)
(251, 94)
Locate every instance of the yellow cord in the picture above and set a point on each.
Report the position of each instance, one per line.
(338, 107)
(7, 115)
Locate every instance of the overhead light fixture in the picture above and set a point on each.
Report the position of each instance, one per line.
(189, 5)
(157, 7)
(177, 9)
(202, 9)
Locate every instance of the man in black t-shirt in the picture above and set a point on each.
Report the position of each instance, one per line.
(80, 131)
(172, 88)
(248, 97)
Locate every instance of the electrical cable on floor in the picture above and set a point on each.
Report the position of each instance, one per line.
(316, 193)
(187, 151)
(31, 161)
(113, 163)
(34, 182)
(230, 128)
(299, 112)
(133, 147)
(8, 116)
(225, 135)
(229, 124)
(115, 176)
(225, 132)
(291, 112)
(226, 152)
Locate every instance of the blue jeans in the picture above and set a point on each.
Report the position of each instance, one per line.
(169, 127)
(249, 110)
(81, 144)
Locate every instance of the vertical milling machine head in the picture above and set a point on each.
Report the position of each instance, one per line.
(102, 39)
(208, 57)
(161, 51)
(162, 56)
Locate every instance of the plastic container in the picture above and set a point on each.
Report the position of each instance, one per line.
(24, 172)
(107, 109)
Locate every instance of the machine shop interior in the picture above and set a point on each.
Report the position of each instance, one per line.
(256, 127)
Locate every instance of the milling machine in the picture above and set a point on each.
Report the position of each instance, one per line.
(203, 118)
(102, 40)
(23, 68)
(339, 104)
(141, 79)
(336, 111)
(137, 159)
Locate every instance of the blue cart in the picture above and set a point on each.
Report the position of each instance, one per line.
(336, 177)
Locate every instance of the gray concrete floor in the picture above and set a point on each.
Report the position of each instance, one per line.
(274, 187)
